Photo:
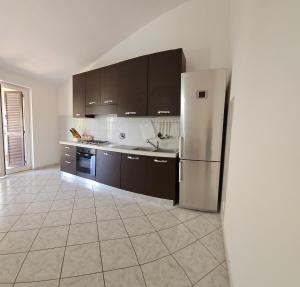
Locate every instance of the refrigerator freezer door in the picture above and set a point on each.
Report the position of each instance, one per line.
(199, 185)
(202, 111)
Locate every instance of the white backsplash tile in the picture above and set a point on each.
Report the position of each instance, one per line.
(110, 127)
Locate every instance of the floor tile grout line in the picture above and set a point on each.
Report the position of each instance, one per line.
(85, 243)
(61, 225)
(63, 260)
(100, 253)
(131, 245)
(28, 252)
(206, 274)
(196, 234)
(173, 256)
(117, 207)
(199, 240)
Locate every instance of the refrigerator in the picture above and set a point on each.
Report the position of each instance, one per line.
(200, 141)
(2, 161)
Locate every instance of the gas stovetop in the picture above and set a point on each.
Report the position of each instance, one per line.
(95, 142)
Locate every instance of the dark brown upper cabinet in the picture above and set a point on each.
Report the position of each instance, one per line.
(144, 86)
(164, 80)
(79, 95)
(132, 99)
(92, 93)
(108, 168)
(110, 84)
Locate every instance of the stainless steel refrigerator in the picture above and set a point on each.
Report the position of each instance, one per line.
(200, 142)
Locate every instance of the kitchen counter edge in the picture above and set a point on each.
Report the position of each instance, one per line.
(126, 151)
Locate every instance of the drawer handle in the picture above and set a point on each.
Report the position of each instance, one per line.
(163, 112)
(77, 115)
(66, 154)
(107, 154)
(130, 113)
(68, 162)
(160, 161)
(67, 147)
(108, 102)
(132, 157)
(91, 103)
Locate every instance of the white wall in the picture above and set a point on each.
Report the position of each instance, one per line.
(262, 218)
(200, 27)
(44, 117)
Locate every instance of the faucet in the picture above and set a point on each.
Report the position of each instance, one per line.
(156, 146)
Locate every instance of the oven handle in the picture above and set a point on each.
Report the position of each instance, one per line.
(85, 154)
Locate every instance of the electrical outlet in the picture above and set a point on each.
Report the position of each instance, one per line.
(122, 136)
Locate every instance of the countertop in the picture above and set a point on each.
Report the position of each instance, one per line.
(122, 149)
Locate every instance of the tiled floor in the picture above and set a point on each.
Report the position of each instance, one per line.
(59, 230)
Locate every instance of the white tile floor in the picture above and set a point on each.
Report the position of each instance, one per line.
(59, 230)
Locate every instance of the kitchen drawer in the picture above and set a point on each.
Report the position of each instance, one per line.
(68, 165)
(133, 171)
(68, 151)
(108, 168)
(161, 177)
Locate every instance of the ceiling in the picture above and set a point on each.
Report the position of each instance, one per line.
(53, 39)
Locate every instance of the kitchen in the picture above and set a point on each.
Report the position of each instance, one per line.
(152, 86)
(149, 143)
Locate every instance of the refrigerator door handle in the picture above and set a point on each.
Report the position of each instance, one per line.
(180, 171)
(180, 146)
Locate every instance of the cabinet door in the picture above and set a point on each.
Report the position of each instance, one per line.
(108, 168)
(161, 177)
(79, 95)
(92, 96)
(164, 79)
(133, 171)
(133, 83)
(110, 85)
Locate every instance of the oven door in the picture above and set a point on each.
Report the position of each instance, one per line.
(86, 163)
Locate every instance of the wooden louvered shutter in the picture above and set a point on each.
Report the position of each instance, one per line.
(14, 128)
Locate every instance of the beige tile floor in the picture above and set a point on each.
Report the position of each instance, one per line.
(59, 230)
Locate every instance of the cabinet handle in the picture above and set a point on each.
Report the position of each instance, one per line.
(91, 103)
(108, 102)
(66, 154)
(68, 162)
(107, 154)
(160, 161)
(130, 113)
(131, 157)
(163, 112)
(77, 115)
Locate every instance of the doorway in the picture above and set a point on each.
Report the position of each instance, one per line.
(15, 140)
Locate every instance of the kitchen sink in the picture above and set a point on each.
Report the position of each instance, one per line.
(145, 148)
(150, 149)
(156, 150)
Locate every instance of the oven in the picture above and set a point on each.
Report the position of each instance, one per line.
(86, 162)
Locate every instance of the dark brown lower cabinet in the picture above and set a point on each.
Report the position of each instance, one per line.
(108, 168)
(153, 176)
(133, 173)
(68, 159)
(161, 177)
